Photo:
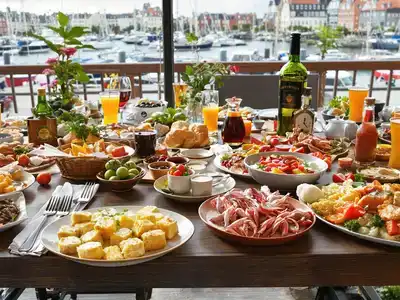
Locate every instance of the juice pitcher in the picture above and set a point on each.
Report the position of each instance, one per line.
(234, 130)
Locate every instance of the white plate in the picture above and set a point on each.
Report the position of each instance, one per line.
(20, 186)
(197, 153)
(359, 235)
(49, 239)
(222, 188)
(19, 201)
(217, 163)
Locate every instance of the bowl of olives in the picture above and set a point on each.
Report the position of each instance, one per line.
(120, 177)
(142, 109)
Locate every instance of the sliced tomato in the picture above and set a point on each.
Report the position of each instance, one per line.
(265, 148)
(392, 227)
(336, 219)
(338, 178)
(118, 152)
(354, 211)
(284, 168)
(253, 140)
(299, 150)
(350, 176)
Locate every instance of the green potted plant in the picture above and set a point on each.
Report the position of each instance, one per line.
(198, 77)
(67, 72)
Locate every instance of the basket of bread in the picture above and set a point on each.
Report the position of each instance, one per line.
(183, 135)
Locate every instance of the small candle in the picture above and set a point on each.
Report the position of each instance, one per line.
(247, 125)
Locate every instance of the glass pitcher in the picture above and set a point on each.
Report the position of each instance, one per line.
(234, 130)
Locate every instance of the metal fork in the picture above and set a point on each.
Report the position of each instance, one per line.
(86, 195)
(58, 206)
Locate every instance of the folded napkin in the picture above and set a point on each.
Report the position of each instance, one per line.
(38, 249)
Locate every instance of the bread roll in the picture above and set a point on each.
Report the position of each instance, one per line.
(175, 138)
(201, 133)
(180, 125)
(190, 140)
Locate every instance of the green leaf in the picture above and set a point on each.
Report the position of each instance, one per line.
(82, 77)
(189, 70)
(73, 41)
(77, 31)
(85, 47)
(55, 29)
(62, 19)
(52, 46)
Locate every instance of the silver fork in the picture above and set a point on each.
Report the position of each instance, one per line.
(86, 195)
(58, 206)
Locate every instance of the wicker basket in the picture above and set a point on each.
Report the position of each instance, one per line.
(80, 168)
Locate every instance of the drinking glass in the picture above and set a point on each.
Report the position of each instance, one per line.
(110, 103)
(247, 126)
(394, 161)
(210, 100)
(179, 90)
(123, 85)
(356, 102)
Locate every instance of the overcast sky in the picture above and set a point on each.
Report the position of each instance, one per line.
(185, 7)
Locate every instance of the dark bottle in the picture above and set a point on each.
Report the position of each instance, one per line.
(292, 81)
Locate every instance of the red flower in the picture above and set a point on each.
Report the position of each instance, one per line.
(51, 60)
(68, 51)
(234, 69)
(48, 72)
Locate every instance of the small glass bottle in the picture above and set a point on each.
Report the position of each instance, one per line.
(367, 135)
(304, 118)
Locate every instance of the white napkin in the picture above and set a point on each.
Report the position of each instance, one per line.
(38, 249)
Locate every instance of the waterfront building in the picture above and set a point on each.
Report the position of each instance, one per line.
(349, 14)
(308, 13)
(332, 11)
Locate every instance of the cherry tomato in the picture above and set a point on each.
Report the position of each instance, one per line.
(43, 178)
(118, 152)
(274, 142)
(178, 173)
(181, 168)
(23, 160)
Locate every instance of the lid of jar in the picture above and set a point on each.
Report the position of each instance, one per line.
(307, 91)
(370, 100)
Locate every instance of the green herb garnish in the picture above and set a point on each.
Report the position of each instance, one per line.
(352, 225)
(359, 177)
(376, 221)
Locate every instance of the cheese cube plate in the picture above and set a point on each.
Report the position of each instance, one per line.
(49, 239)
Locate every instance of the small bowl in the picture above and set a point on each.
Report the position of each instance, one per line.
(283, 147)
(157, 173)
(258, 124)
(196, 167)
(5, 138)
(121, 185)
(180, 184)
(178, 160)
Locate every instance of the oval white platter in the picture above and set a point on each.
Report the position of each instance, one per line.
(49, 239)
(162, 183)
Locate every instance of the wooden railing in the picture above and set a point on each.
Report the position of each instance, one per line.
(137, 72)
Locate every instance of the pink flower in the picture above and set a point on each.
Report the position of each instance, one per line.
(48, 72)
(53, 84)
(234, 69)
(68, 51)
(51, 60)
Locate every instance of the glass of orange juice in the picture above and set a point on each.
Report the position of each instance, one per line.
(110, 103)
(247, 127)
(394, 161)
(211, 110)
(179, 90)
(356, 102)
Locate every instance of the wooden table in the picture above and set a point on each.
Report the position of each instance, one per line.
(324, 257)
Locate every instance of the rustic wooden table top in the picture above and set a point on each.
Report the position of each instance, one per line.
(323, 257)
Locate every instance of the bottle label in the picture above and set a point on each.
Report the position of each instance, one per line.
(290, 94)
(43, 133)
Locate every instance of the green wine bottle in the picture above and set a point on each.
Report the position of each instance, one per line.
(43, 109)
(293, 79)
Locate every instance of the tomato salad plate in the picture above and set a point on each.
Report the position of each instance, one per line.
(368, 211)
(257, 217)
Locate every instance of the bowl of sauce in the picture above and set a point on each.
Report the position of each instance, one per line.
(178, 160)
(159, 168)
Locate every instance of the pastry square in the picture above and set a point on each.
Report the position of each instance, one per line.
(91, 250)
(132, 248)
(120, 235)
(67, 230)
(82, 228)
(113, 253)
(80, 217)
(154, 240)
(92, 236)
(169, 226)
(107, 226)
(68, 245)
(141, 226)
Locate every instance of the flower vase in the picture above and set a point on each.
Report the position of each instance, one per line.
(194, 111)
